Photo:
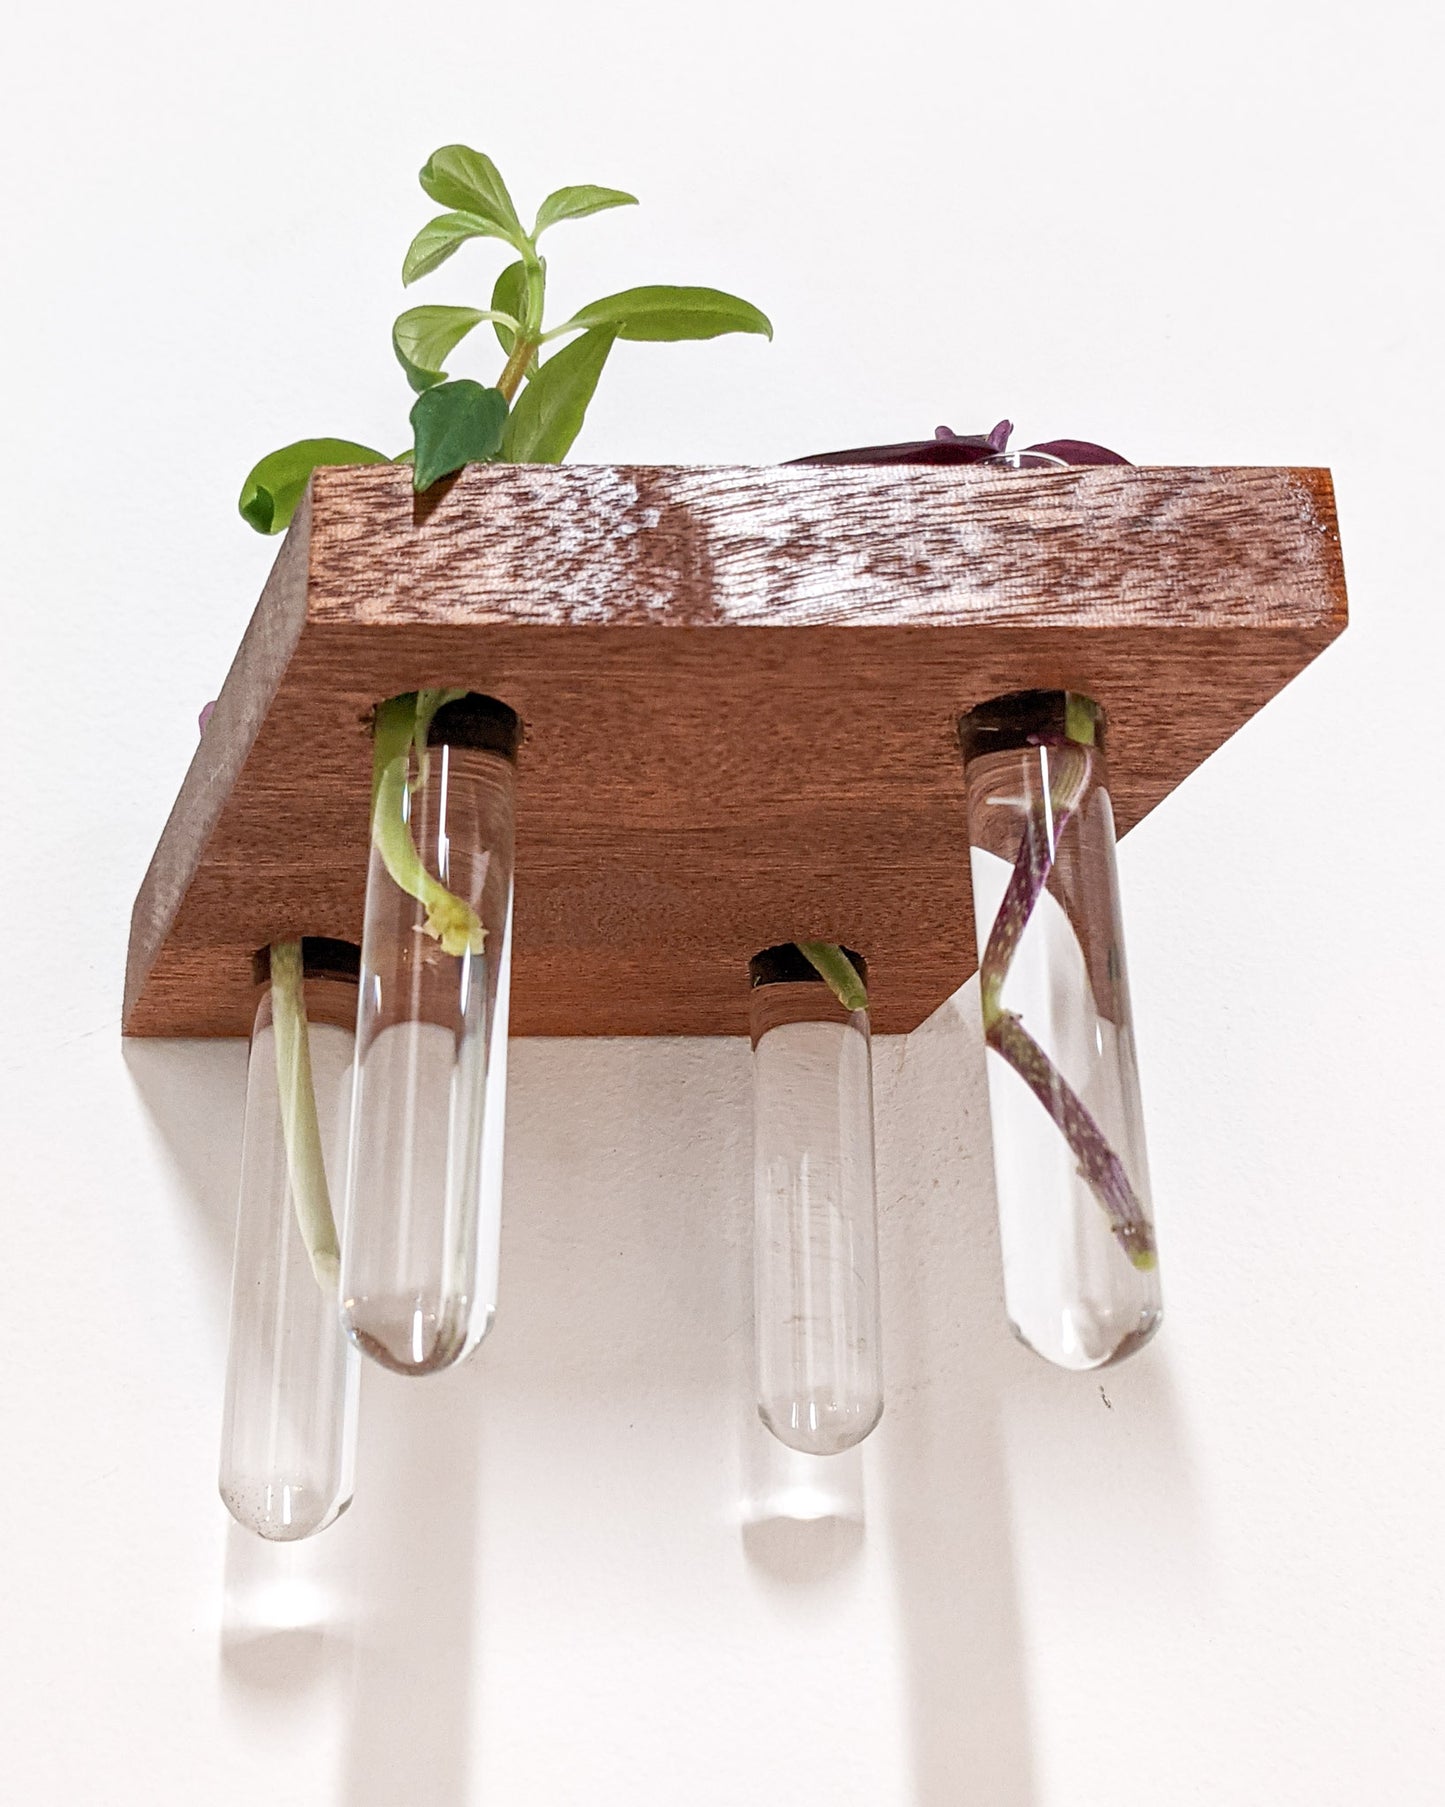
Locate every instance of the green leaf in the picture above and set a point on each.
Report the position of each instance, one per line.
(669, 313)
(423, 337)
(455, 424)
(550, 411)
(458, 177)
(576, 203)
(436, 241)
(270, 494)
(510, 297)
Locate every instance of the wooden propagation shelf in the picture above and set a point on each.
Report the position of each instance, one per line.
(739, 690)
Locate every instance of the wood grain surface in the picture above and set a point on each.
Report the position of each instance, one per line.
(739, 688)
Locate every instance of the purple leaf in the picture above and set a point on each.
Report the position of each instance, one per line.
(1077, 451)
(948, 447)
(206, 714)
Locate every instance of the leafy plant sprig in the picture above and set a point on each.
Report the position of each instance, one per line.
(535, 410)
(531, 415)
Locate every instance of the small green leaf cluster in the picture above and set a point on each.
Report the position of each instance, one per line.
(536, 408)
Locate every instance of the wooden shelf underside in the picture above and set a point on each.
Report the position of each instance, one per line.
(739, 688)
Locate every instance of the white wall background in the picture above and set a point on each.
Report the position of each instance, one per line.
(1204, 234)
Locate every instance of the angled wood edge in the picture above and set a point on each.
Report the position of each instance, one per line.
(249, 689)
(704, 796)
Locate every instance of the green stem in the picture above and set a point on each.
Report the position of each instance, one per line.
(300, 1130)
(838, 971)
(536, 290)
(510, 381)
(529, 330)
(402, 724)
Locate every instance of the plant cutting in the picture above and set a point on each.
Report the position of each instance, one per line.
(1070, 770)
(1046, 819)
(535, 409)
(286, 1454)
(1070, 1166)
(532, 413)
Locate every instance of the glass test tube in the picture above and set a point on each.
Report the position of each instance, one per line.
(288, 1436)
(1081, 1279)
(815, 1249)
(421, 1243)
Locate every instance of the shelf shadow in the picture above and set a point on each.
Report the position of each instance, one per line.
(376, 1613)
(414, 1535)
(194, 1093)
(941, 1455)
(976, 1423)
(393, 1630)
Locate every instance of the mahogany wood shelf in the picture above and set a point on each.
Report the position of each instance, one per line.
(739, 688)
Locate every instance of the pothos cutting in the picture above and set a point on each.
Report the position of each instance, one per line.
(531, 414)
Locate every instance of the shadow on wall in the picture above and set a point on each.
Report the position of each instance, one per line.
(803, 1516)
(414, 1579)
(933, 1523)
(379, 1618)
(286, 1646)
(374, 1618)
(370, 1626)
(194, 1093)
(620, 1307)
(374, 1622)
(983, 1443)
(941, 1455)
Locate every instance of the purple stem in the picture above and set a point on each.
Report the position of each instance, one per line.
(1003, 1030)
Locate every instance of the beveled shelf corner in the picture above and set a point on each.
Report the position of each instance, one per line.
(739, 687)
